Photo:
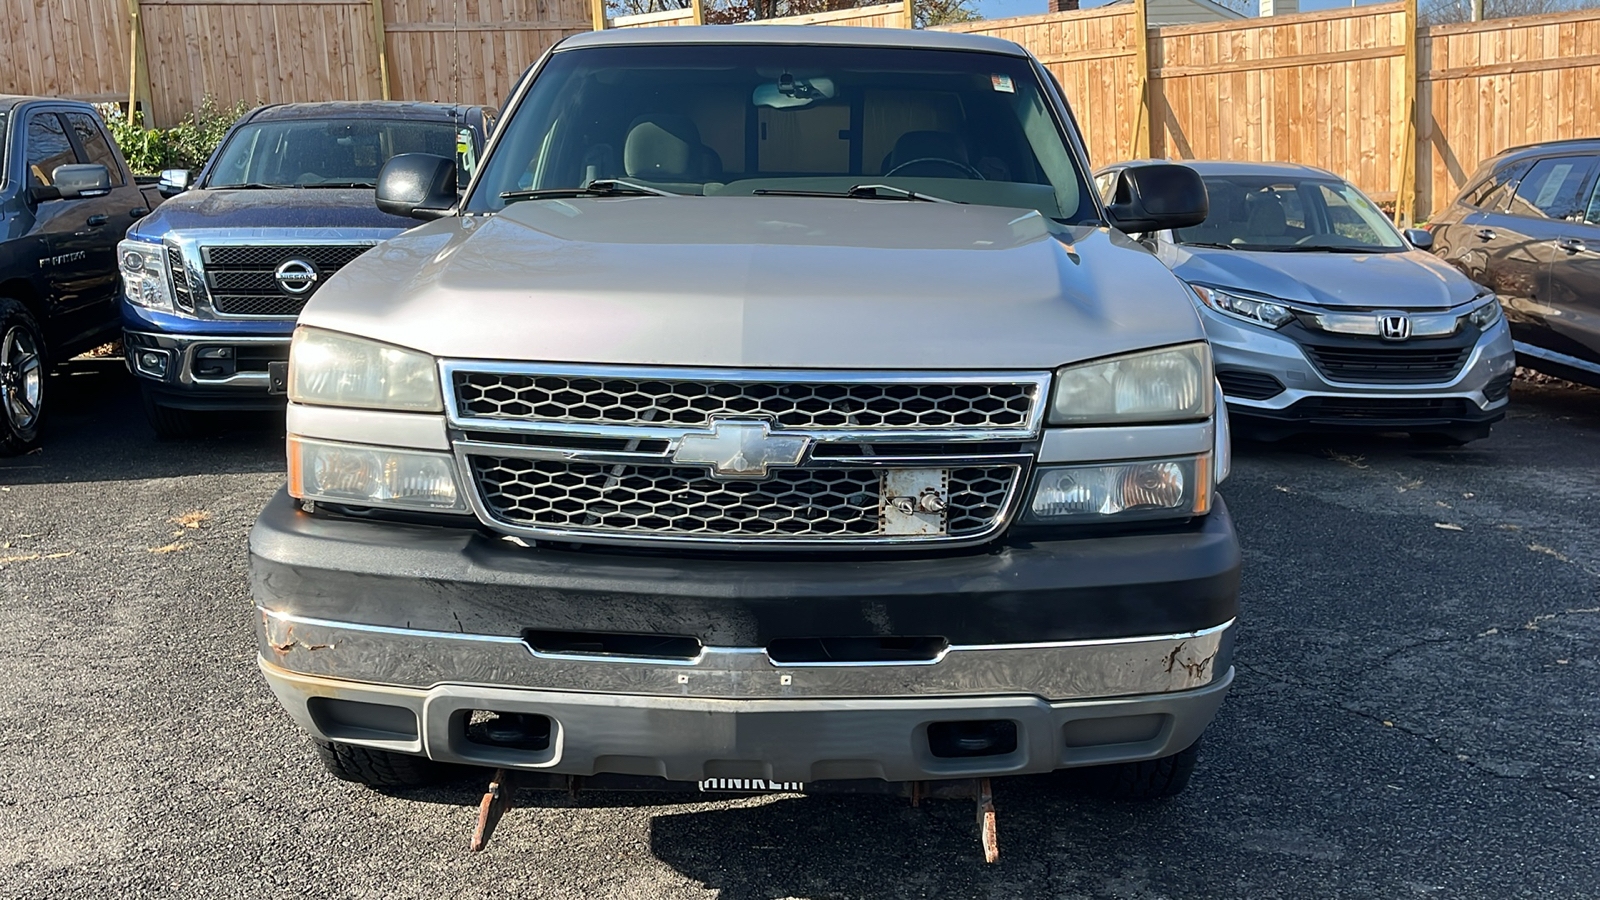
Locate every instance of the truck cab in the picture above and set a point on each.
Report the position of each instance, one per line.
(66, 197)
(214, 283)
(778, 407)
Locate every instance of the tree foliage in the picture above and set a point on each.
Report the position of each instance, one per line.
(732, 12)
(1448, 12)
(186, 145)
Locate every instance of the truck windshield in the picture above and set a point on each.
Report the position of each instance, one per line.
(328, 152)
(1273, 213)
(736, 120)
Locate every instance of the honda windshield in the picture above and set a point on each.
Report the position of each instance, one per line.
(1274, 213)
(328, 152)
(780, 120)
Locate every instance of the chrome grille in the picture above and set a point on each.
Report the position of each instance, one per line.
(181, 295)
(823, 503)
(241, 280)
(805, 405)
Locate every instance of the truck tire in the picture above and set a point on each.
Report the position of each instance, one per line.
(377, 768)
(169, 423)
(22, 378)
(1148, 779)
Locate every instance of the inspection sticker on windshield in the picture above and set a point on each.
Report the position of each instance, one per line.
(752, 785)
(1003, 83)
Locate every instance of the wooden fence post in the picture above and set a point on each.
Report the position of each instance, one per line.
(1142, 142)
(138, 67)
(910, 14)
(597, 12)
(1405, 198)
(699, 9)
(380, 34)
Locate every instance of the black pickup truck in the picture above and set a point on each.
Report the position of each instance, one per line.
(66, 198)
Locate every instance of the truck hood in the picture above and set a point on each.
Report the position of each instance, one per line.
(1413, 280)
(282, 208)
(760, 282)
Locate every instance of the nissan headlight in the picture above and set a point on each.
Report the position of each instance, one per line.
(1255, 310)
(1170, 385)
(331, 369)
(1485, 314)
(373, 476)
(143, 267)
(1123, 491)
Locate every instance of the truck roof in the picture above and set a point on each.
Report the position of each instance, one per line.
(7, 101)
(363, 109)
(791, 35)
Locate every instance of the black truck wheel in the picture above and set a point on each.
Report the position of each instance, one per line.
(1146, 780)
(22, 371)
(377, 768)
(170, 423)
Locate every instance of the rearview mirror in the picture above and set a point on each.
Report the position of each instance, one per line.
(790, 92)
(173, 182)
(418, 186)
(1156, 198)
(71, 182)
(1420, 238)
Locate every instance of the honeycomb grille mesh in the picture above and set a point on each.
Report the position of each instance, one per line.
(796, 405)
(677, 501)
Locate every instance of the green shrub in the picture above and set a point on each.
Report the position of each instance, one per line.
(186, 145)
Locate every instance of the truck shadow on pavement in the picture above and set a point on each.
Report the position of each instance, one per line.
(95, 430)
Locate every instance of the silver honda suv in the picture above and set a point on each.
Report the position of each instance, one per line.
(776, 407)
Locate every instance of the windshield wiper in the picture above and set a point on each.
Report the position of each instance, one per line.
(1322, 248)
(1209, 246)
(338, 184)
(249, 186)
(858, 192)
(600, 187)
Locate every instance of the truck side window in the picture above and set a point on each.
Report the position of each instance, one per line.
(94, 144)
(48, 147)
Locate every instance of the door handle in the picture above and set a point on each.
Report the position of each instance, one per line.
(96, 221)
(138, 211)
(1486, 234)
(1572, 245)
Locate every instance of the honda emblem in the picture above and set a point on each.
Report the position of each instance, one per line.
(1394, 328)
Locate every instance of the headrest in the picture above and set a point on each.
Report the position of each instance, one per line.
(662, 147)
(1266, 216)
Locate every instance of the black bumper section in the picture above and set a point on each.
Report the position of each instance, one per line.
(1441, 415)
(459, 580)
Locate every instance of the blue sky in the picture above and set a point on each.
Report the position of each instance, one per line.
(1000, 9)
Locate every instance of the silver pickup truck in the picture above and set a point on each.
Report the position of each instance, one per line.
(776, 406)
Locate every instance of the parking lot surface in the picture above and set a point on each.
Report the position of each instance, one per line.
(1416, 710)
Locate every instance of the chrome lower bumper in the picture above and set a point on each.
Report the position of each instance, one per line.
(178, 355)
(1066, 670)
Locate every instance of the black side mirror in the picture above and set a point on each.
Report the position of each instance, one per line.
(1420, 238)
(1156, 198)
(174, 182)
(71, 182)
(418, 185)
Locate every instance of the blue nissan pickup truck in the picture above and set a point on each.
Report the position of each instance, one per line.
(214, 280)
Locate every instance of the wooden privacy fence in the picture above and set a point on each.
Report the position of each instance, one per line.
(1406, 113)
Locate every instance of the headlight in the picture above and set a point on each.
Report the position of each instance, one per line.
(1256, 310)
(144, 274)
(1485, 315)
(1155, 386)
(339, 370)
(1148, 489)
(373, 476)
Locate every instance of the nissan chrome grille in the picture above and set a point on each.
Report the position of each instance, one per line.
(760, 458)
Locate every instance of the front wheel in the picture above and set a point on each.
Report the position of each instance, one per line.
(1145, 780)
(22, 371)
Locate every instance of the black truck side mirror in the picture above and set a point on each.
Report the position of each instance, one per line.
(174, 182)
(418, 185)
(1158, 197)
(71, 182)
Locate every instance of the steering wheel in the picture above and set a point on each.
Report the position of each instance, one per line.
(966, 171)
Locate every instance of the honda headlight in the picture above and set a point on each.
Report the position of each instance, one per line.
(1146, 489)
(331, 369)
(144, 275)
(1167, 385)
(373, 476)
(1486, 314)
(1255, 310)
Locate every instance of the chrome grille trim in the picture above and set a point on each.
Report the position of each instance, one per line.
(623, 461)
(188, 251)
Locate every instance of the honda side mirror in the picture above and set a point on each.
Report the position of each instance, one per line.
(174, 182)
(1156, 198)
(418, 186)
(1420, 238)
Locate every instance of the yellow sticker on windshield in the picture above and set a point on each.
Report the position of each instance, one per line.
(1002, 83)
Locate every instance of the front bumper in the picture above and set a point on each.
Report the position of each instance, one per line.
(177, 367)
(1099, 649)
(1470, 402)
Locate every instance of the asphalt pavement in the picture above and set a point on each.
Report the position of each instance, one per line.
(1415, 713)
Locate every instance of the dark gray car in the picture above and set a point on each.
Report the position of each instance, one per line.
(1528, 226)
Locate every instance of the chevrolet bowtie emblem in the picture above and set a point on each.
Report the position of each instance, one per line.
(740, 449)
